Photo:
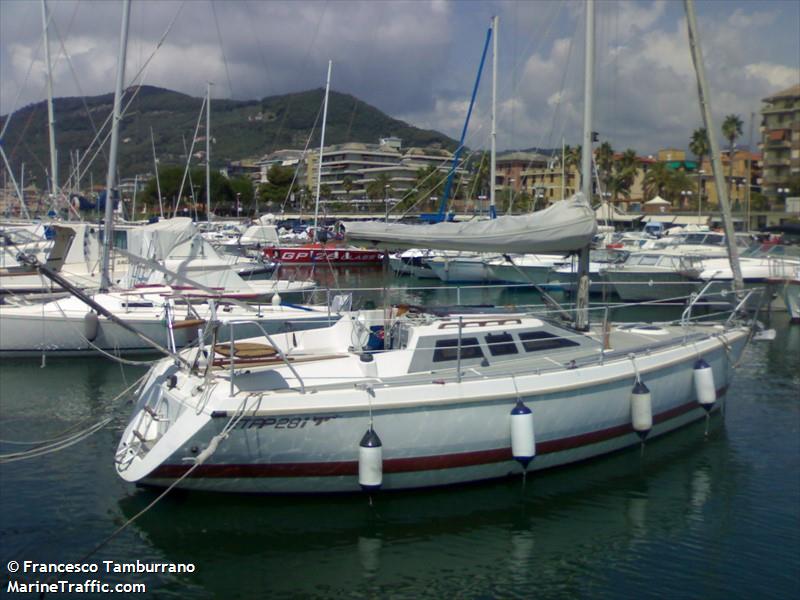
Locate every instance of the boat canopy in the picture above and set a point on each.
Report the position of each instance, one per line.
(566, 226)
(158, 240)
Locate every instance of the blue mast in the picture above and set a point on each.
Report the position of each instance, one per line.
(449, 184)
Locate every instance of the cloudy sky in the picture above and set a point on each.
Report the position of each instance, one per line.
(416, 60)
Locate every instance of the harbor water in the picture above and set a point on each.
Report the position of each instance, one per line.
(688, 516)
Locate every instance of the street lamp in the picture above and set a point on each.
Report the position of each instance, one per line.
(386, 201)
(700, 174)
(686, 196)
(510, 194)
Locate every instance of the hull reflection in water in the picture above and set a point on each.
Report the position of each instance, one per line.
(506, 536)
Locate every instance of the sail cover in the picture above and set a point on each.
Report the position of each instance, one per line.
(565, 226)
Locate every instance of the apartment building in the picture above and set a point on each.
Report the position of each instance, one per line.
(348, 169)
(514, 170)
(780, 143)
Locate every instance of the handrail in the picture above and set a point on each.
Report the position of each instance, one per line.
(741, 305)
(694, 298)
(280, 352)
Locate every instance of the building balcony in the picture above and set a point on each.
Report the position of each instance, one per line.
(772, 162)
(774, 110)
(772, 144)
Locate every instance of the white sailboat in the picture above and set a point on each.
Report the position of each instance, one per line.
(68, 327)
(398, 400)
(167, 257)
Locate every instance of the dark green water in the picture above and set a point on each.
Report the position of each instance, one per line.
(691, 518)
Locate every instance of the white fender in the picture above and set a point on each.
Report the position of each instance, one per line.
(641, 409)
(370, 461)
(704, 386)
(91, 325)
(523, 437)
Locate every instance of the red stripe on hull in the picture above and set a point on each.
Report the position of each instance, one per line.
(406, 465)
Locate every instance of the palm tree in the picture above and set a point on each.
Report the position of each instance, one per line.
(572, 161)
(347, 186)
(625, 170)
(731, 130)
(481, 174)
(699, 144)
(657, 181)
(605, 163)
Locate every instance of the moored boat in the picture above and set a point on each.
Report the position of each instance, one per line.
(322, 253)
(441, 397)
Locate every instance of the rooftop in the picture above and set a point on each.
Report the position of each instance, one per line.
(791, 92)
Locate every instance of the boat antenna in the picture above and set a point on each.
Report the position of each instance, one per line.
(582, 300)
(321, 147)
(716, 162)
(108, 231)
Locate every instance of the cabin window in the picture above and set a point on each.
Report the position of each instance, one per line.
(448, 349)
(501, 344)
(648, 260)
(138, 304)
(533, 341)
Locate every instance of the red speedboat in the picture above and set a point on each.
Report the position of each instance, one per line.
(321, 253)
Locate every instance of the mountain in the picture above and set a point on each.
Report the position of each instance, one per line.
(240, 129)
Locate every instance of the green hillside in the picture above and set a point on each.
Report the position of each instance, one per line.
(240, 129)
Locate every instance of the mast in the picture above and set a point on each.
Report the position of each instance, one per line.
(582, 300)
(108, 240)
(158, 180)
(51, 120)
(747, 190)
(208, 152)
(716, 161)
(321, 146)
(493, 168)
(18, 188)
(563, 168)
(135, 189)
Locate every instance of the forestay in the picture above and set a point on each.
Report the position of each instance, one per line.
(565, 226)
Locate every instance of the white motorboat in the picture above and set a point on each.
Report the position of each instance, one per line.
(449, 400)
(565, 277)
(254, 237)
(414, 262)
(525, 268)
(761, 266)
(653, 275)
(463, 267)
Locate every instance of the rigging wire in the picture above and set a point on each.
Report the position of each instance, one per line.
(199, 460)
(221, 47)
(138, 77)
(305, 150)
(65, 440)
(303, 65)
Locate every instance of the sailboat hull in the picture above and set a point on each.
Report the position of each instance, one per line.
(450, 433)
